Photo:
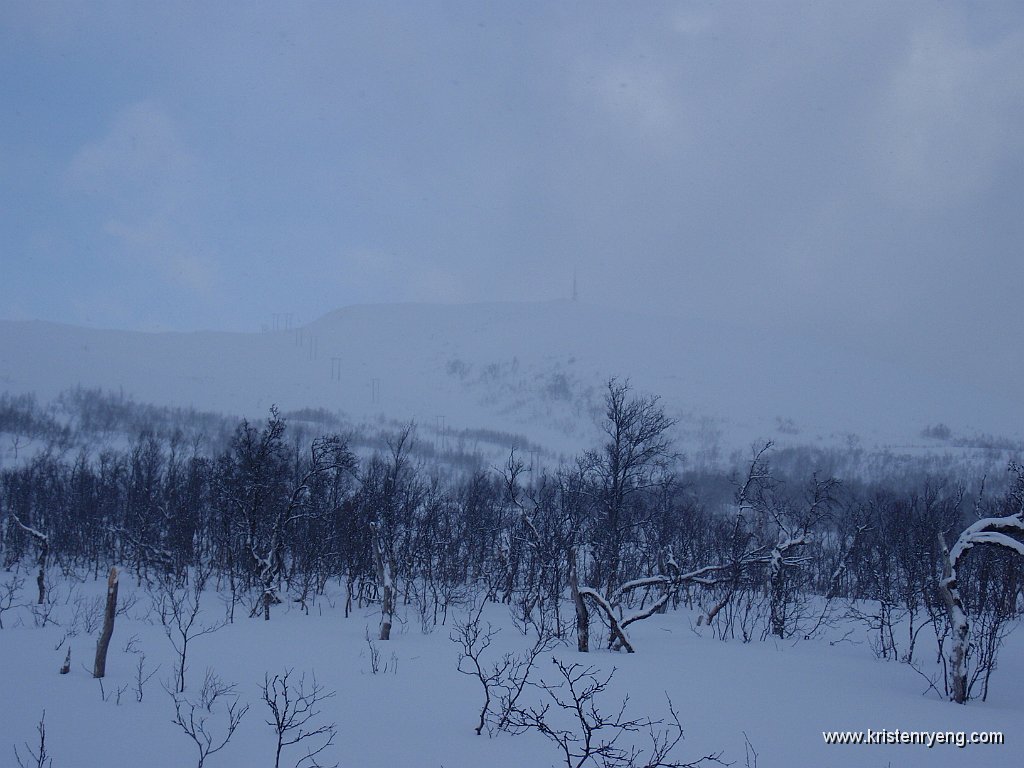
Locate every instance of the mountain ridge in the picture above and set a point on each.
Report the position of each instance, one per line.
(533, 368)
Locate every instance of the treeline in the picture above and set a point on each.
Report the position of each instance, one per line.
(580, 552)
(92, 419)
(81, 417)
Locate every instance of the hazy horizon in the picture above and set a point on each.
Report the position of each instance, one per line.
(846, 171)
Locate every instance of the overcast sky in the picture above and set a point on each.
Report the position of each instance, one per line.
(855, 168)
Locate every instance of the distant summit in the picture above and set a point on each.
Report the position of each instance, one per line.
(530, 368)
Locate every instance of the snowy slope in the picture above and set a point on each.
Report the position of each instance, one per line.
(536, 369)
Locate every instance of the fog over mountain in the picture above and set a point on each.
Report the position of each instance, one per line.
(535, 369)
(850, 169)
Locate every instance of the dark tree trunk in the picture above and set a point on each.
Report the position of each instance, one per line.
(100, 667)
(582, 612)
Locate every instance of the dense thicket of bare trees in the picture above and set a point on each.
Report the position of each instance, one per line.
(620, 534)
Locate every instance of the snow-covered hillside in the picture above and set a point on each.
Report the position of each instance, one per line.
(533, 369)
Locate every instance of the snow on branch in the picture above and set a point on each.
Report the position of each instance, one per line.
(41, 538)
(989, 530)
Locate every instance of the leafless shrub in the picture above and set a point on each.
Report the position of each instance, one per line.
(126, 602)
(116, 694)
(39, 757)
(377, 664)
(43, 612)
(9, 594)
(178, 608)
(88, 614)
(213, 688)
(293, 707)
(572, 719)
(750, 753)
(141, 677)
(504, 680)
(195, 720)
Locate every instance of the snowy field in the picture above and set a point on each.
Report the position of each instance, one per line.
(417, 710)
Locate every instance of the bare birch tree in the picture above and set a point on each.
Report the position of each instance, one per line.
(1004, 532)
(390, 494)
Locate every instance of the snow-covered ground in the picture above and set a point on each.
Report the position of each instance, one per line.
(417, 710)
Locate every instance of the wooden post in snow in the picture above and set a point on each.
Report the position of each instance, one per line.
(100, 667)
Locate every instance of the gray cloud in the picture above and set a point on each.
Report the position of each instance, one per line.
(848, 170)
